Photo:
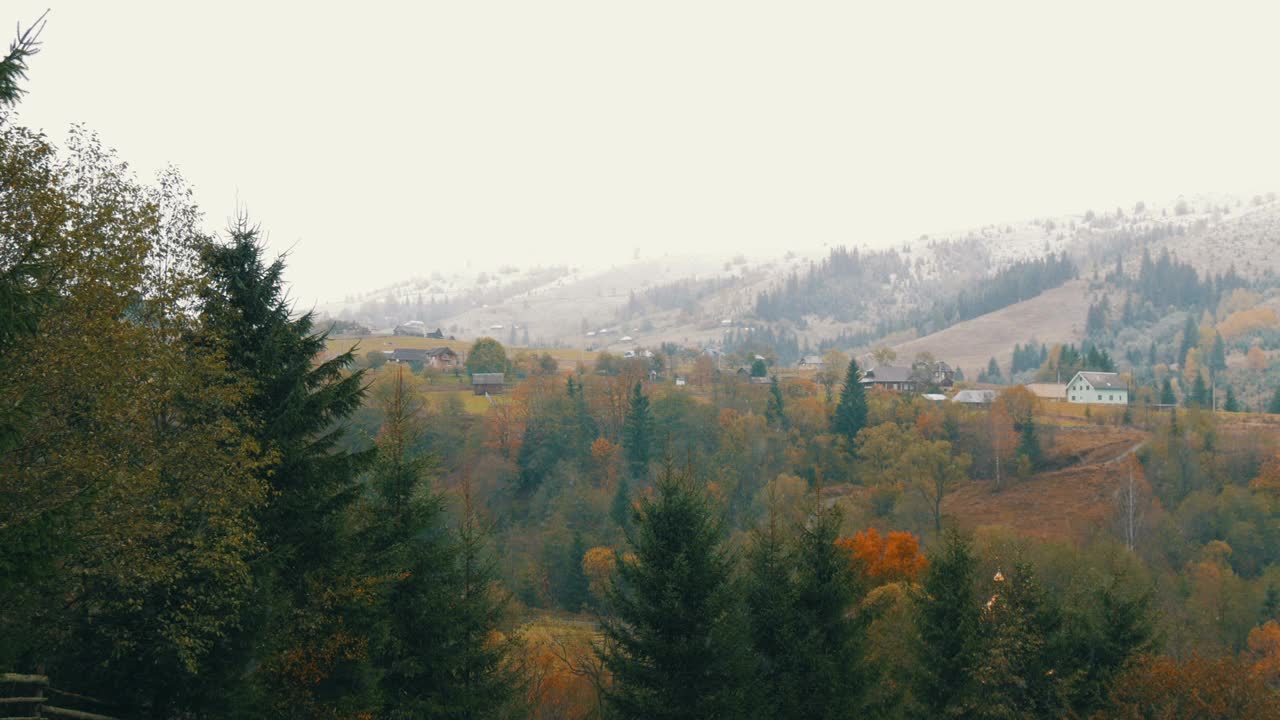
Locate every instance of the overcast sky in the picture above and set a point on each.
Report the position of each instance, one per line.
(383, 140)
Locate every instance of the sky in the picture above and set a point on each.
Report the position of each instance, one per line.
(379, 141)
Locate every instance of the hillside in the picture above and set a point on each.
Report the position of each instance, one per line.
(1054, 316)
(896, 291)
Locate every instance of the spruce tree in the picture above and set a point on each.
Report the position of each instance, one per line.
(824, 677)
(775, 411)
(296, 410)
(1166, 393)
(1018, 672)
(1274, 406)
(949, 631)
(1232, 404)
(297, 406)
(1199, 395)
(1190, 337)
(674, 646)
(851, 412)
(1218, 354)
(770, 599)
(637, 433)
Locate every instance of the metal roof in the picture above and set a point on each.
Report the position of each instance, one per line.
(887, 374)
(975, 397)
(487, 379)
(1103, 380)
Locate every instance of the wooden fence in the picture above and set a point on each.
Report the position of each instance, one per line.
(29, 697)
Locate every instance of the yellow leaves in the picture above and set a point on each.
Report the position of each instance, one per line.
(1246, 322)
(599, 564)
(1264, 648)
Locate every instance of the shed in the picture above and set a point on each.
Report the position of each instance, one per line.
(491, 383)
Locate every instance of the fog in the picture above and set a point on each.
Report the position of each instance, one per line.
(383, 143)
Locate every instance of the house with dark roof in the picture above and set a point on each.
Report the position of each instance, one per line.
(889, 378)
(1098, 388)
(443, 358)
(416, 357)
(488, 383)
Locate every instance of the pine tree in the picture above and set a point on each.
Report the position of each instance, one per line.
(1166, 393)
(620, 506)
(948, 623)
(769, 600)
(851, 413)
(484, 680)
(637, 433)
(823, 662)
(577, 591)
(1231, 404)
(1190, 337)
(1019, 673)
(296, 409)
(1218, 354)
(1199, 395)
(674, 646)
(775, 412)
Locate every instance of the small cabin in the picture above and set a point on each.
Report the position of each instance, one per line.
(488, 383)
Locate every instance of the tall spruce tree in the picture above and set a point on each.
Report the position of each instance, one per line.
(295, 410)
(1166, 393)
(851, 412)
(1232, 404)
(1199, 395)
(675, 648)
(949, 616)
(824, 674)
(1018, 672)
(637, 433)
(769, 600)
(775, 411)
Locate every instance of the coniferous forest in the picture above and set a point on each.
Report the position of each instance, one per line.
(209, 508)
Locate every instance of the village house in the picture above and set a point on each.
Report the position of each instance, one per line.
(889, 378)
(919, 376)
(416, 357)
(975, 397)
(1098, 387)
(443, 358)
(488, 383)
(810, 362)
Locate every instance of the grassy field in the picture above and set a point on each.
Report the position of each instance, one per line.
(565, 357)
(1056, 315)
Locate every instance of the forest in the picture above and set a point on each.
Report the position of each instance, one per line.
(206, 511)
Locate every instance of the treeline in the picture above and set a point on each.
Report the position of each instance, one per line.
(678, 295)
(809, 625)
(1020, 281)
(842, 286)
(1170, 283)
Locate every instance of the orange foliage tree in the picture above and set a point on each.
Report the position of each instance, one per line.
(885, 559)
(1264, 649)
(1193, 689)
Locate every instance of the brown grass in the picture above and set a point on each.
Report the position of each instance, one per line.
(1054, 316)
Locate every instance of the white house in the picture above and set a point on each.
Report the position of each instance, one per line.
(1098, 388)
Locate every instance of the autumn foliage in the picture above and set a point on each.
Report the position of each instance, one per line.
(894, 557)
(1192, 689)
